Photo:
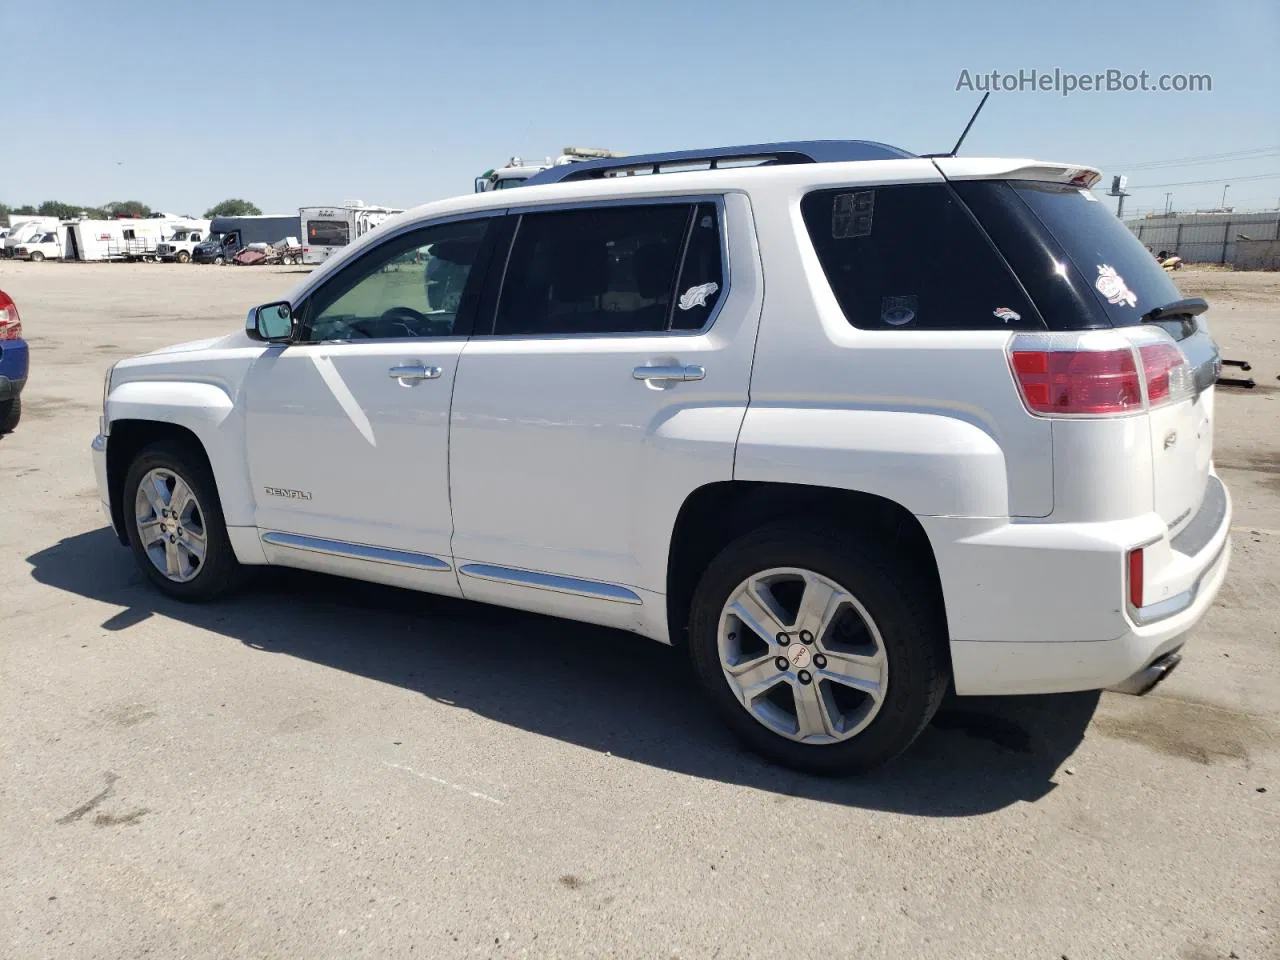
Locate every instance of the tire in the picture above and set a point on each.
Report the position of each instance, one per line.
(182, 256)
(218, 260)
(10, 414)
(884, 619)
(36, 256)
(196, 581)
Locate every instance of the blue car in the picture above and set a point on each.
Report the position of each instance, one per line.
(13, 363)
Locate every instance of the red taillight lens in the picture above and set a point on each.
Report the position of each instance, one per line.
(1135, 578)
(1165, 368)
(1078, 381)
(10, 322)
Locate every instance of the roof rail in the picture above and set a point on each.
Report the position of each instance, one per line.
(795, 151)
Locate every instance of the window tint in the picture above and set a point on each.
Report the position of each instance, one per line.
(410, 286)
(328, 233)
(911, 257)
(1125, 278)
(701, 282)
(598, 270)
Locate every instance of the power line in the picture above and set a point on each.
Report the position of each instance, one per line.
(1203, 158)
(1196, 183)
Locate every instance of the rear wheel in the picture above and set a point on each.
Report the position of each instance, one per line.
(10, 413)
(820, 657)
(182, 256)
(36, 256)
(175, 524)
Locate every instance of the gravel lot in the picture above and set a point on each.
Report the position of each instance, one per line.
(321, 769)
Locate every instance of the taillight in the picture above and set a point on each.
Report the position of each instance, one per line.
(10, 322)
(1167, 373)
(1135, 578)
(1098, 373)
(1078, 382)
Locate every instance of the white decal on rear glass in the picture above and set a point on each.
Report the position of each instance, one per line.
(1005, 314)
(852, 215)
(1112, 286)
(697, 296)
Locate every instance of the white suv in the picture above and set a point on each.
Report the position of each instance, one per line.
(851, 424)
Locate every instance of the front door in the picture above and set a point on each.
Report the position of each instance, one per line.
(611, 383)
(348, 426)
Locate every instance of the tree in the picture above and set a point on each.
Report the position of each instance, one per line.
(63, 211)
(5, 210)
(233, 208)
(127, 208)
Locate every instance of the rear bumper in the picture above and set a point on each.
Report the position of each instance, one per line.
(1041, 608)
(14, 364)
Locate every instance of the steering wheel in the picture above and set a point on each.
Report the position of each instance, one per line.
(414, 323)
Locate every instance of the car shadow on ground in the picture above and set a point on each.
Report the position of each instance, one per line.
(599, 689)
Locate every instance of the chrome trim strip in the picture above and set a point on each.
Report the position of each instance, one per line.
(355, 551)
(549, 581)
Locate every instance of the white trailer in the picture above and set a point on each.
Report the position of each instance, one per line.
(326, 230)
(126, 239)
(516, 171)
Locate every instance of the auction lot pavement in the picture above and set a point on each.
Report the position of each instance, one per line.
(320, 769)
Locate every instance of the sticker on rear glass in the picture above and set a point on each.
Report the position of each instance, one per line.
(851, 214)
(1112, 286)
(898, 311)
(697, 296)
(1005, 314)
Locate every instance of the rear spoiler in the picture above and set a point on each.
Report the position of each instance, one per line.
(985, 168)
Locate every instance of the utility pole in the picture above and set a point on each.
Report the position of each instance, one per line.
(1168, 204)
(1225, 188)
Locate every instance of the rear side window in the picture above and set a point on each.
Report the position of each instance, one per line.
(328, 233)
(911, 257)
(611, 270)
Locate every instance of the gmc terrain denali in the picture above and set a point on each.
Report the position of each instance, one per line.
(850, 423)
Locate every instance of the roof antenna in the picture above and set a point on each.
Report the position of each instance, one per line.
(981, 103)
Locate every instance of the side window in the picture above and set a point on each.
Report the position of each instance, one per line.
(911, 257)
(701, 280)
(593, 271)
(329, 233)
(410, 286)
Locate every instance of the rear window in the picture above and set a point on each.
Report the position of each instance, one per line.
(1126, 279)
(328, 233)
(911, 257)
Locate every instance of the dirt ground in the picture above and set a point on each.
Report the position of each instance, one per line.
(320, 769)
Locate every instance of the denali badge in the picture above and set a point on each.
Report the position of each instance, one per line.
(288, 494)
(1170, 439)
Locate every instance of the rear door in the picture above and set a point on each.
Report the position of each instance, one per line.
(1127, 284)
(1085, 269)
(611, 382)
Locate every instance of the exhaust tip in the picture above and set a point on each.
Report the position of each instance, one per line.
(1146, 679)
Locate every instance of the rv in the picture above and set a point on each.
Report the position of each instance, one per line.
(515, 171)
(326, 230)
(227, 236)
(23, 227)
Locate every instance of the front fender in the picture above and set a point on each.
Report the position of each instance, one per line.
(931, 464)
(208, 412)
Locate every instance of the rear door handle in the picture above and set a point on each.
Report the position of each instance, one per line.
(413, 372)
(669, 373)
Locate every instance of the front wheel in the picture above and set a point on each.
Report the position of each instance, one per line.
(36, 256)
(817, 655)
(182, 256)
(175, 524)
(218, 261)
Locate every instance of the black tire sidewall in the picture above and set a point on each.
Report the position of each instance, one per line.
(220, 568)
(10, 414)
(913, 638)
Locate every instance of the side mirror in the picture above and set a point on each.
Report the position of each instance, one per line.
(271, 323)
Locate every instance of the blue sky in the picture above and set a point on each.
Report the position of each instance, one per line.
(287, 104)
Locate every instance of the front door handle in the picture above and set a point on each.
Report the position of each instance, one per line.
(664, 373)
(413, 372)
